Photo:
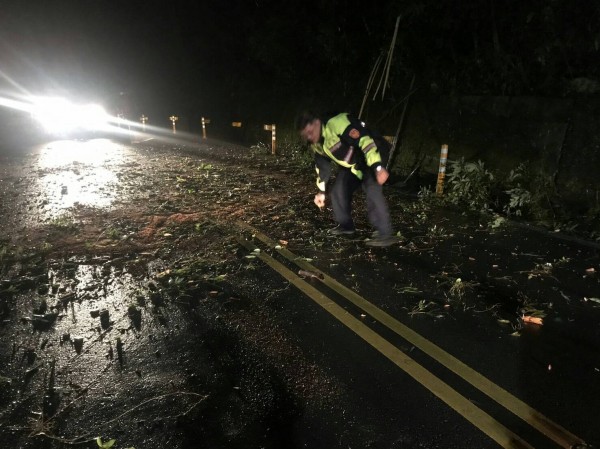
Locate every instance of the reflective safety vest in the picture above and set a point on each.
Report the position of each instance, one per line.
(348, 143)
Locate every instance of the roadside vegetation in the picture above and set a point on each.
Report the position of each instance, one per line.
(522, 195)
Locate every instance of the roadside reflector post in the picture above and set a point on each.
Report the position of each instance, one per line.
(439, 190)
(205, 121)
(173, 119)
(143, 119)
(236, 124)
(272, 128)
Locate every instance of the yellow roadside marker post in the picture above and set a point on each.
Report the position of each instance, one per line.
(173, 119)
(205, 121)
(143, 119)
(439, 190)
(273, 137)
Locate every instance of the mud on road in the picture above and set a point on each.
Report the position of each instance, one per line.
(130, 312)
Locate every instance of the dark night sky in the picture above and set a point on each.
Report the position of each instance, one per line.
(170, 55)
(194, 57)
(99, 48)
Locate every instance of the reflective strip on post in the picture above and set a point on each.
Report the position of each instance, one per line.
(273, 139)
(143, 119)
(205, 122)
(272, 128)
(442, 171)
(173, 119)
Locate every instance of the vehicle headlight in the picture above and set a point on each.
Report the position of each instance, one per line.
(58, 115)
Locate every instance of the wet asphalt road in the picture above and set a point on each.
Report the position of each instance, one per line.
(555, 368)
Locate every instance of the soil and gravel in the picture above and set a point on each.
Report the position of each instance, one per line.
(130, 311)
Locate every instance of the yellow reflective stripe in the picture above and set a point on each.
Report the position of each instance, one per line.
(318, 148)
(341, 162)
(356, 172)
(336, 126)
(369, 148)
(366, 142)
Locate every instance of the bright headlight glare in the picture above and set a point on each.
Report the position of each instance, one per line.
(92, 116)
(58, 115)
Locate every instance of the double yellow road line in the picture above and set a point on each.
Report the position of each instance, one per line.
(482, 420)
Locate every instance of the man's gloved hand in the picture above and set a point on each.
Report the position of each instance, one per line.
(320, 200)
(381, 174)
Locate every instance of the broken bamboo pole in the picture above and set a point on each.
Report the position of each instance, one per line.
(388, 62)
(390, 54)
(397, 135)
(370, 83)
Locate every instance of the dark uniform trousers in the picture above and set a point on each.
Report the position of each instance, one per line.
(342, 191)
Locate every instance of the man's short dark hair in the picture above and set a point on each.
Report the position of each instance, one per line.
(304, 118)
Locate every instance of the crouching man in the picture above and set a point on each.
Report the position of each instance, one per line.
(348, 143)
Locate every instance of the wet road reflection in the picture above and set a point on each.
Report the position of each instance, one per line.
(79, 172)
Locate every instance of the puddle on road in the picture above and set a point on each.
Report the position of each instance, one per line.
(84, 312)
(84, 303)
(85, 316)
(79, 172)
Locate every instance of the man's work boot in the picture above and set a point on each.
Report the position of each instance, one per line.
(382, 241)
(338, 230)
